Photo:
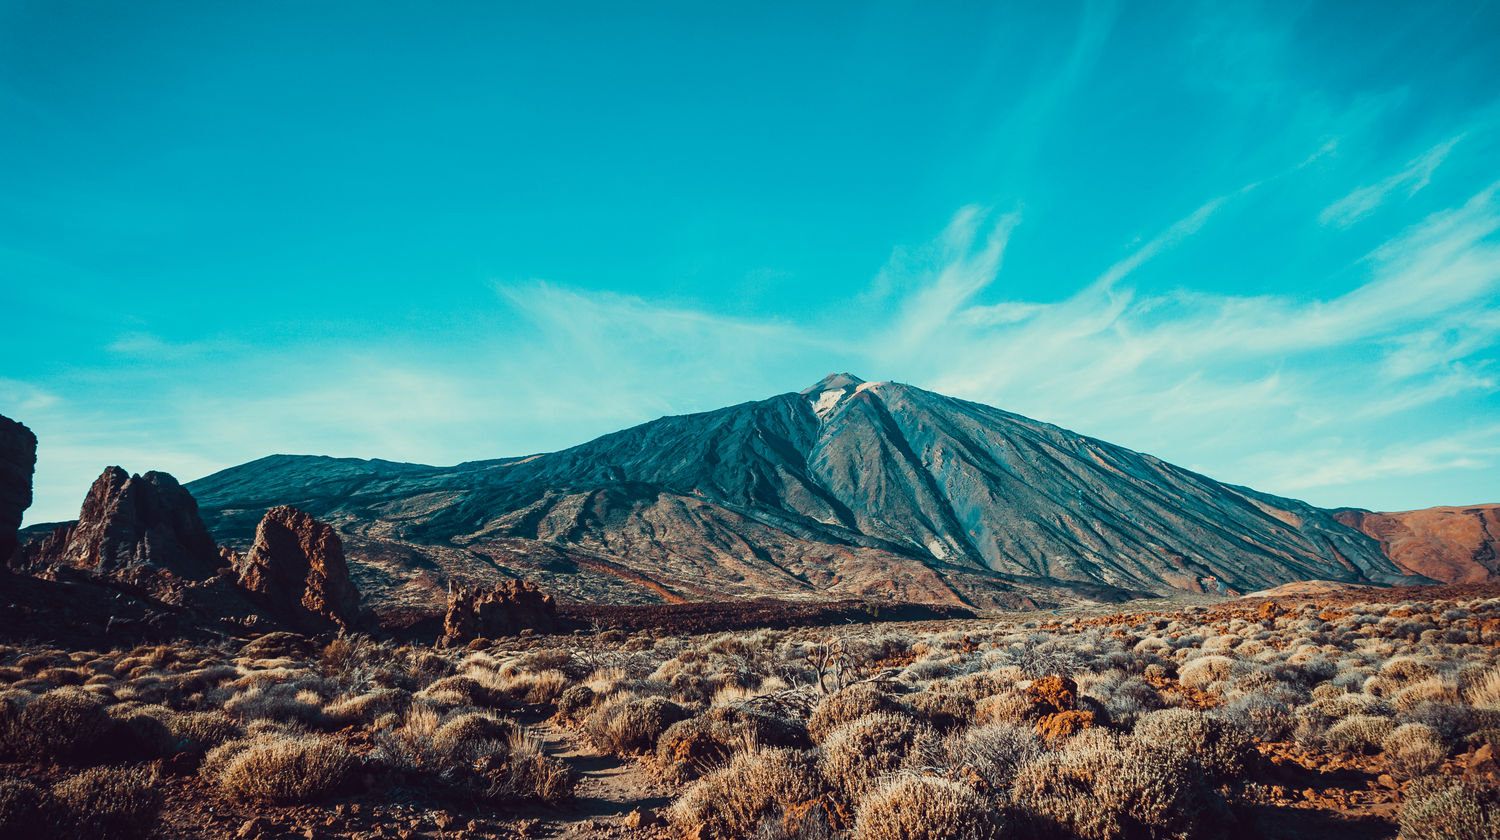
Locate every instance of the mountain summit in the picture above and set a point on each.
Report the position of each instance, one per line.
(848, 487)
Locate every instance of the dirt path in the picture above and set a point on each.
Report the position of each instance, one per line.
(609, 788)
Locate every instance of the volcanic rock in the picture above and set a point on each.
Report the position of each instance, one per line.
(503, 610)
(133, 527)
(296, 568)
(1449, 544)
(17, 460)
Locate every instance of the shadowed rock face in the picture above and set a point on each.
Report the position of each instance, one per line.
(296, 569)
(132, 524)
(848, 487)
(17, 461)
(1450, 544)
(503, 610)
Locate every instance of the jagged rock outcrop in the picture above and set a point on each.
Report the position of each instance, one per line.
(504, 610)
(132, 527)
(17, 461)
(296, 569)
(1448, 544)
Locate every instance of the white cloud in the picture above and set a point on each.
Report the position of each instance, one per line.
(1366, 200)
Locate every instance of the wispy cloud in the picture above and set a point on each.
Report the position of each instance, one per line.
(1410, 180)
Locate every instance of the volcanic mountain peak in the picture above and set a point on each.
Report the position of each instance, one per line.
(832, 390)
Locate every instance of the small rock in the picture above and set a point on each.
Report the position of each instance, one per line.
(254, 827)
(641, 818)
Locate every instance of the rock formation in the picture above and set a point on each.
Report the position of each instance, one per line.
(1450, 544)
(296, 569)
(503, 610)
(17, 460)
(133, 526)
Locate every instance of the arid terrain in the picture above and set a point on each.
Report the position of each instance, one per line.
(1364, 713)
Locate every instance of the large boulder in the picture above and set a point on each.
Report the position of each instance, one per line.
(296, 569)
(17, 461)
(503, 610)
(130, 527)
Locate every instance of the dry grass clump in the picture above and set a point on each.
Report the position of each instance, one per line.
(990, 755)
(1449, 809)
(365, 708)
(846, 705)
(1414, 749)
(108, 803)
(1221, 750)
(523, 771)
(628, 724)
(1360, 733)
(1096, 790)
(21, 809)
(691, 747)
(280, 769)
(759, 786)
(856, 756)
(65, 724)
(927, 808)
(1204, 671)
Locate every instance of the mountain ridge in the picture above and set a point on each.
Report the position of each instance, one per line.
(847, 487)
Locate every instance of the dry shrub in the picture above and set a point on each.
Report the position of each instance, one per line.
(1263, 716)
(575, 702)
(284, 702)
(1221, 750)
(109, 803)
(523, 771)
(691, 747)
(365, 708)
(1484, 693)
(990, 755)
(1447, 809)
(281, 769)
(1098, 790)
(1011, 706)
(754, 787)
(926, 808)
(856, 756)
(943, 710)
(544, 687)
(848, 704)
(21, 809)
(65, 724)
(1204, 671)
(1360, 733)
(1414, 749)
(463, 691)
(628, 724)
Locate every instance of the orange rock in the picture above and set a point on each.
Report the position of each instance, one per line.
(1053, 694)
(1059, 727)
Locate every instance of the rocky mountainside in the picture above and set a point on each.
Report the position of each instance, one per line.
(848, 487)
(1451, 544)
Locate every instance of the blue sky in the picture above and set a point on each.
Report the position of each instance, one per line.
(1258, 240)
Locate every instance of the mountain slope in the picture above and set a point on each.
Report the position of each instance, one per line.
(847, 487)
(1451, 544)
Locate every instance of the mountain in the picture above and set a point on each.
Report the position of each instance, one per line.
(849, 487)
(1451, 544)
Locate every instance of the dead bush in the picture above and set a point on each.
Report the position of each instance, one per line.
(280, 769)
(848, 704)
(22, 809)
(1360, 733)
(109, 803)
(927, 808)
(1221, 750)
(65, 725)
(1450, 809)
(691, 747)
(856, 756)
(990, 755)
(1414, 749)
(627, 724)
(754, 787)
(523, 771)
(1095, 790)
